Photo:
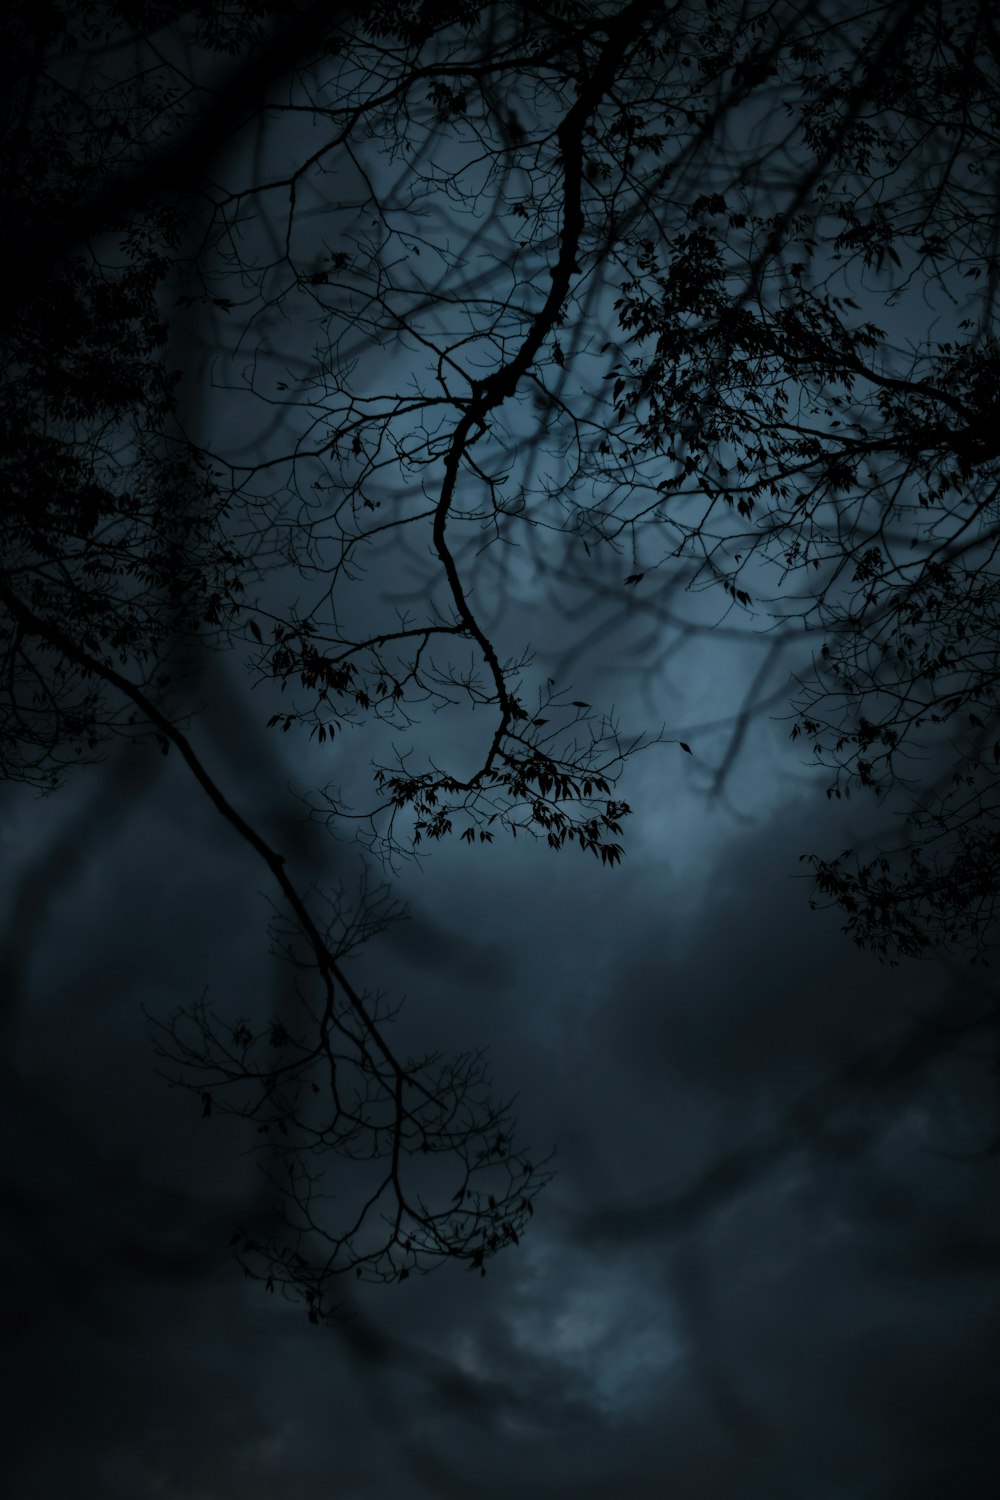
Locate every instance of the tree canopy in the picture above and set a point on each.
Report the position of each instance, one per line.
(657, 299)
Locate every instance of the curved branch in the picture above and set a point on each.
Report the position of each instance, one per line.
(331, 971)
(503, 383)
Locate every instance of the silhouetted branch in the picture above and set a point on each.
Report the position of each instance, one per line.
(376, 1108)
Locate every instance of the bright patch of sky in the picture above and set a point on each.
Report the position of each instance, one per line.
(607, 1338)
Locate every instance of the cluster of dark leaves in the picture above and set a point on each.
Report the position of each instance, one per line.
(112, 525)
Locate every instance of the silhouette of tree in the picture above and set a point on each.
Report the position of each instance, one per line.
(596, 288)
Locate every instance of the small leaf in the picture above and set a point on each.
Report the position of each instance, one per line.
(685, 747)
(255, 631)
(634, 578)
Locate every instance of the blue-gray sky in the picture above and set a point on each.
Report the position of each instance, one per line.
(758, 1271)
(766, 1266)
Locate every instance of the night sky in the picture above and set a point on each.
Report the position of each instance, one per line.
(766, 1265)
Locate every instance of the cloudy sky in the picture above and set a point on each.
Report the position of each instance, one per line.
(766, 1265)
(762, 1268)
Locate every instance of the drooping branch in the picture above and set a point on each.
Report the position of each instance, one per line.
(402, 1108)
